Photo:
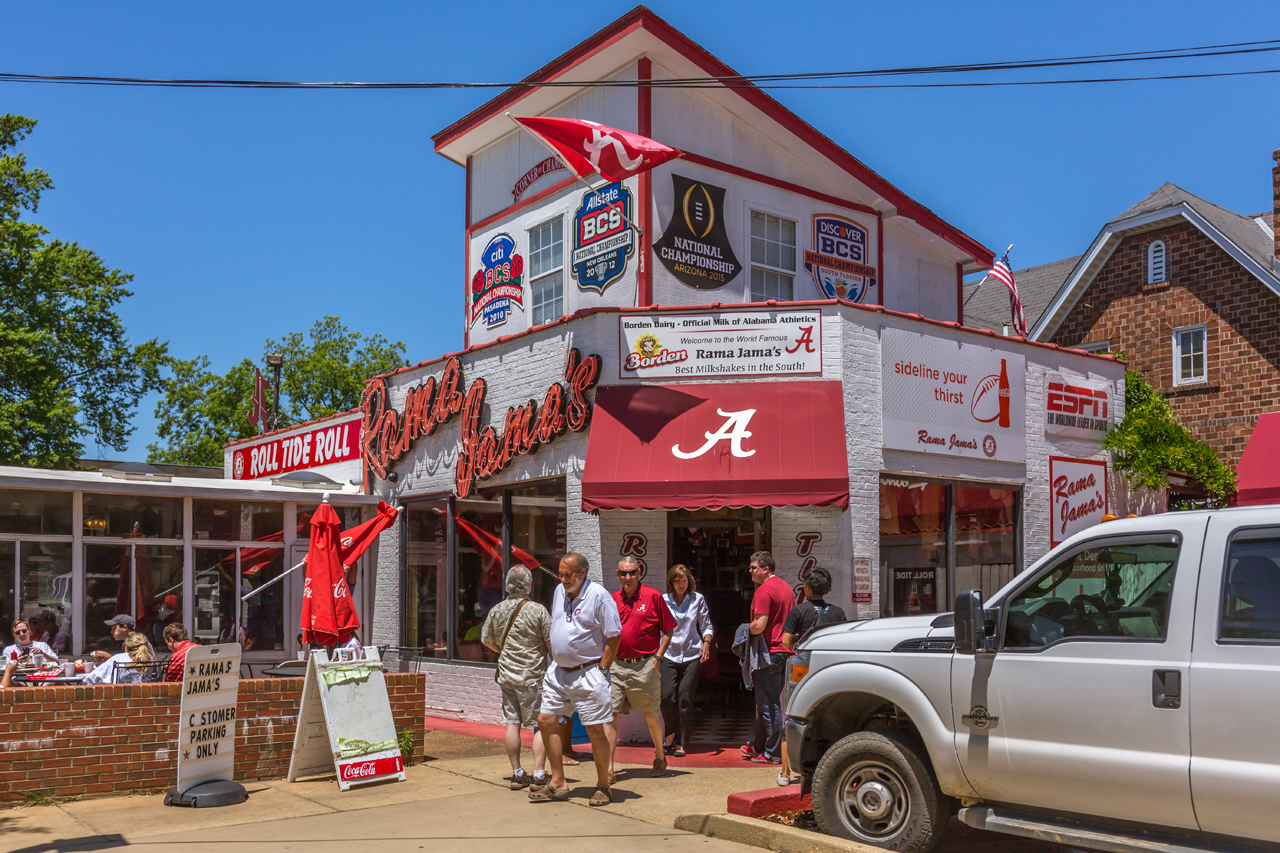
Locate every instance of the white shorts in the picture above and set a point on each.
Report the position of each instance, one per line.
(584, 690)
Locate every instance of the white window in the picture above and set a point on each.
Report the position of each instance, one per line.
(1099, 347)
(1189, 355)
(1156, 263)
(546, 271)
(773, 257)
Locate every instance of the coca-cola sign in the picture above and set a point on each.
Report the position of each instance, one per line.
(362, 770)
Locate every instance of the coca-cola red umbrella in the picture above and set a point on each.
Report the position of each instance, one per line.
(357, 540)
(328, 617)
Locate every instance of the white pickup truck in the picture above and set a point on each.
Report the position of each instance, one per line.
(1121, 694)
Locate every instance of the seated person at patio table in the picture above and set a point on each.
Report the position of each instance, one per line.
(125, 668)
(175, 637)
(9, 669)
(59, 637)
(25, 649)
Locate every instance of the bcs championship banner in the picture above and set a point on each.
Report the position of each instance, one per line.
(951, 398)
(1078, 488)
(760, 343)
(602, 237)
(695, 247)
(838, 262)
(1076, 407)
(498, 283)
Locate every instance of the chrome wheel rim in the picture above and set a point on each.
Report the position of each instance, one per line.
(874, 801)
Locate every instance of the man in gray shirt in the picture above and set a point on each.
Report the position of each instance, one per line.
(519, 630)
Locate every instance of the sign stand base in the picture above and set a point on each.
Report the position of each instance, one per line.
(215, 792)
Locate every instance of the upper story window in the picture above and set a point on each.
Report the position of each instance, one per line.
(1096, 347)
(773, 257)
(1189, 355)
(1156, 272)
(546, 271)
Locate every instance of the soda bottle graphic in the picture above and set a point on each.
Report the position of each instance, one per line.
(913, 599)
(1004, 395)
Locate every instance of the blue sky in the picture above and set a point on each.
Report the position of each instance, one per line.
(248, 214)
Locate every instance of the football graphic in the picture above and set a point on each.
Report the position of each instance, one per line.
(986, 399)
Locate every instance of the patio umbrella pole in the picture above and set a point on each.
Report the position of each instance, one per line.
(272, 582)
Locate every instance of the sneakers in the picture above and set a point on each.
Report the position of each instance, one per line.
(748, 750)
(783, 780)
(764, 759)
(520, 779)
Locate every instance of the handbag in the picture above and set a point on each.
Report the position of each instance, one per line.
(503, 644)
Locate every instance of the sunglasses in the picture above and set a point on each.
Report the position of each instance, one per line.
(629, 574)
(21, 631)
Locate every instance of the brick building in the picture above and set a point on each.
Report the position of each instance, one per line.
(1188, 291)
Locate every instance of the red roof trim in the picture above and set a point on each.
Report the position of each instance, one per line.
(717, 306)
(292, 427)
(641, 17)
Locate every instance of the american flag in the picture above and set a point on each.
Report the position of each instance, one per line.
(1002, 272)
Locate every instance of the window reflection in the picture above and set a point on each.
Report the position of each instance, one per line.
(237, 521)
(145, 516)
(32, 511)
(986, 543)
(426, 559)
(144, 581)
(479, 577)
(913, 542)
(215, 580)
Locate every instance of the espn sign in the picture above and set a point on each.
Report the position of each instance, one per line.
(1075, 407)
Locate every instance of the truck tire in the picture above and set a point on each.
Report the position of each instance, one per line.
(874, 788)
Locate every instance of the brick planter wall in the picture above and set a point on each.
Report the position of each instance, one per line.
(117, 738)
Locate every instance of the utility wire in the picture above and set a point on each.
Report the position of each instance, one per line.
(764, 81)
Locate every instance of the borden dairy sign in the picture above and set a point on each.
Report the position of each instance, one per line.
(764, 343)
(956, 399)
(324, 445)
(1079, 491)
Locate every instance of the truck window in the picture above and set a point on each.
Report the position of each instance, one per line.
(1251, 590)
(1120, 591)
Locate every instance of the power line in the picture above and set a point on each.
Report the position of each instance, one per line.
(763, 81)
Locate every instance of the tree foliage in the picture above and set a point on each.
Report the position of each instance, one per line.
(324, 373)
(1150, 441)
(67, 369)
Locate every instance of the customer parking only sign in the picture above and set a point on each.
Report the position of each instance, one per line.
(207, 720)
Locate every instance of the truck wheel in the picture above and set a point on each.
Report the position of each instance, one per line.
(874, 788)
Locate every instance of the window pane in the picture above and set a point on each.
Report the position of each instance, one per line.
(8, 594)
(31, 511)
(539, 521)
(546, 247)
(348, 517)
(144, 581)
(133, 515)
(913, 544)
(986, 538)
(45, 589)
(757, 285)
(426, 561)
(1251, 594)
(757, 224)
(215, 578)
(548, 298)
(479, 579)
(1121, 591)
(261, 617)
(238, 521)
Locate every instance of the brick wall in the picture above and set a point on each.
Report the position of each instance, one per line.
(1205, 285)
(116, 738)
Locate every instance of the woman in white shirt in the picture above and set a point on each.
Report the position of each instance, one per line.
(690, 647)
(126, 667)
(25, 648)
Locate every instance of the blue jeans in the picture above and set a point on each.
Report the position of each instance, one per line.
(766, 683)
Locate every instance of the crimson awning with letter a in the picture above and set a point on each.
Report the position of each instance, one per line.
(716, 445)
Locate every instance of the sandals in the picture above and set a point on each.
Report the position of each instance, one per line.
(569, 761)
(602, 797)
(549, 794)
(678, 752)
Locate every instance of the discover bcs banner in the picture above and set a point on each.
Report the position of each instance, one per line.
(952, 398)
(756, 343)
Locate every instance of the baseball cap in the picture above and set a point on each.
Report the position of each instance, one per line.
(171, 602)
(122, 619)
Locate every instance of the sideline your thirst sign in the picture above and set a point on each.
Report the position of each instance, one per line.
(345, 723)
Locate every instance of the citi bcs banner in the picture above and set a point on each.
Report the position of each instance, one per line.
(952, 398)
(324, 445)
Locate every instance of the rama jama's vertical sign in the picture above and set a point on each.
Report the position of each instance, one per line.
(952, 398)
(695, 247)
(207, 715)
(603, 238)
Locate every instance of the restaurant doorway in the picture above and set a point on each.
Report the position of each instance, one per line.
(717, 546)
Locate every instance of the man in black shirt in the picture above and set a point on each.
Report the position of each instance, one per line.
(813, 611)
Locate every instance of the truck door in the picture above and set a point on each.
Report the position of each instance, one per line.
(1063, 716)
(1235, 677)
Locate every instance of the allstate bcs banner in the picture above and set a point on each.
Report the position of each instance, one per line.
(756, 343)
(952, 398)
(603, 238)
(324, 445)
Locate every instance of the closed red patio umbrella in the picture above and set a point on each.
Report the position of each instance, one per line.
(328, 617)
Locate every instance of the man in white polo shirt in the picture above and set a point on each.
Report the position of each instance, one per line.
(585, 631)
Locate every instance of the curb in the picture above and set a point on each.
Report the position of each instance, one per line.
(770, 836)
(769, 801)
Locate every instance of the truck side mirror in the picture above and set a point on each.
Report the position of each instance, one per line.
(969, 622)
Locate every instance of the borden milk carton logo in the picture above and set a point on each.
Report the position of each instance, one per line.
(838, 262)
(498, 282)
(649, 352)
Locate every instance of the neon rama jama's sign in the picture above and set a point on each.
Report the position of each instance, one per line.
(389, 434)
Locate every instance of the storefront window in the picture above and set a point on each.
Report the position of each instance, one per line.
(31, 511)
(538, 527)
(44, 587)
(986, 544)
(262, 616)
(8, 590)
(479, 576)
(215, 580)
(144, 581)
(426, 561)
(133, 515)
(238, 521)
(348, 517)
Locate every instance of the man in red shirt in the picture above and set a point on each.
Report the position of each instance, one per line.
(769, 608)
(634, 677)
(175, 637)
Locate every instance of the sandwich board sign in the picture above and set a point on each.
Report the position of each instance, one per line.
(207, 720)
(345, 723)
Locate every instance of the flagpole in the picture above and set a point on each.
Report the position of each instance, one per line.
(984, 279)
(594, 191)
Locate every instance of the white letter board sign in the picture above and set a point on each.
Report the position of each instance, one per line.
(345, 723)
(207, 715)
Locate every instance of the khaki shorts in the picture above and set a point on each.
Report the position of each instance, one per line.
(521, 703)
(584, 690)
(636, 687)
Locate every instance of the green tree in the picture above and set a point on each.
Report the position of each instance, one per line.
(67, 369)
(1150, 441)
(324, 372)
